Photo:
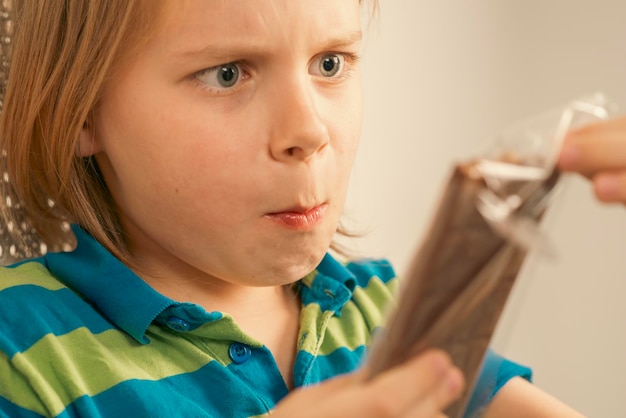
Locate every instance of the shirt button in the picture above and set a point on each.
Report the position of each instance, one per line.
(177, 324)
(239, 353)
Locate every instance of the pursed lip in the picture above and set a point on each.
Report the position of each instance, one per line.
(299, 218)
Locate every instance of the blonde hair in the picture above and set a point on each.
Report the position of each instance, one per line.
(62, 53)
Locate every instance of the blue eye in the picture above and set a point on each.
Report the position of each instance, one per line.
(228, 75)
(328, 65)
(221, 77)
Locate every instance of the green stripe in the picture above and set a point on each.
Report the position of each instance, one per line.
(61, 369)
(16, 388)
(309, 278)
(29, 273)
(375, 300)
(313, 323)
(224, 329)
(359, 317)
(349, 331)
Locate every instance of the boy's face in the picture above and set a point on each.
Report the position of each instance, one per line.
(227, 142)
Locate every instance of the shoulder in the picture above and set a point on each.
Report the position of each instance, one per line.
(29, 285)
(375, 281)
(34, 305)
(367, 269)
(364, 281)
(357, 273)
(49, 335)
(367, 287)
(344, 303)
(28, 273)
(375, 288)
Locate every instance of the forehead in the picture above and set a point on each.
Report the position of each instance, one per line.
(196, 22)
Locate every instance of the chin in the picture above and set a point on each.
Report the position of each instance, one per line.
(293, 266)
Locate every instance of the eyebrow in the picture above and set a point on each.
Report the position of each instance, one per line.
(232, 50)
(350, 39)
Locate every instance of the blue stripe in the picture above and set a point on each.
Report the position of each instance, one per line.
(40, 260)
(366, 270)
(495, 372)
(340, 361)
(9, 410)
(250, 389)
(507, 371)
(261, 374)
(209, 392)
(56, 312)
(109, 284)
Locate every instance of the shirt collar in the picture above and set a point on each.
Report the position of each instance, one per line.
(330, 285)
(109, 284)
(132, 304)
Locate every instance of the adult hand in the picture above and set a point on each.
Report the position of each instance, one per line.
(421, 387)
(598, 152)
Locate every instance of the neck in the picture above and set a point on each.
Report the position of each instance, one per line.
(238, 300)
(268, 314)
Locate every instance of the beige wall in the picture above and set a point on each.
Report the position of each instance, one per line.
(441, 79)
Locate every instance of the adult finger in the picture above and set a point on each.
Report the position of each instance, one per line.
(610, 187)
(595, 148)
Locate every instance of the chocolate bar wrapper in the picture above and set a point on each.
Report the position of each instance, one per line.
(487, 221)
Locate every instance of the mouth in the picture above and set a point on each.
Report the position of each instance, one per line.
(300, 219)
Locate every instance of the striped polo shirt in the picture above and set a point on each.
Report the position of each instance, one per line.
(82, 336)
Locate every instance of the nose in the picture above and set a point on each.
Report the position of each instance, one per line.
(298, 130)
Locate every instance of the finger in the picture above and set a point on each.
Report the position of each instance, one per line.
(618, 123)
(610, 187)
(440, 398)
(430, 374)
(595, 148)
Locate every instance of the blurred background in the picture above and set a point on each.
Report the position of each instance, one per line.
(442, 79)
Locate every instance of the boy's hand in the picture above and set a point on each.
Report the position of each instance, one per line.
(598, 152)
(422, 387)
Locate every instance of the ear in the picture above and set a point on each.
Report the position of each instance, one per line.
(88, 144)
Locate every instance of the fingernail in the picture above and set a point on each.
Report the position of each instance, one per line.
(570, 156)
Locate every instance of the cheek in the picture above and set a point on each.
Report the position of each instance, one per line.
(348, 122)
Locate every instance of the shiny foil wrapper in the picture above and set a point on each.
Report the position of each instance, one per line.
(488, 219)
